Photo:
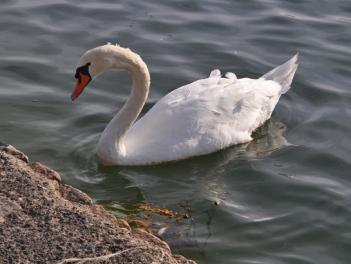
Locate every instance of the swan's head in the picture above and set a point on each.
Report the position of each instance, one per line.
(98, 60)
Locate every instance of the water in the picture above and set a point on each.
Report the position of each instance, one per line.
(284, 198)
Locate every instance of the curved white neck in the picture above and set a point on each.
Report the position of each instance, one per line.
(111, 143)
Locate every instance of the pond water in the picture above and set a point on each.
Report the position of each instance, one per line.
(283, 198)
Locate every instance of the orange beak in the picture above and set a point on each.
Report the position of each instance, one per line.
(82, 82)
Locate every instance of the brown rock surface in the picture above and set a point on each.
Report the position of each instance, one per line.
(42, 220)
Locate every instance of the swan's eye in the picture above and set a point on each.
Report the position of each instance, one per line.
(82, 70)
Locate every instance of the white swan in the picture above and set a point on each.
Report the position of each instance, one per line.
(196, 119)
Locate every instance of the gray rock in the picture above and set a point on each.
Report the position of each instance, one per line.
(13, 151)
(43, 220)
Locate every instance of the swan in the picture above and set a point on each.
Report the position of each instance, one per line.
(196, 119)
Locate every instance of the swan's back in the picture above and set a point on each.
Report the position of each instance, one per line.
(206, 116)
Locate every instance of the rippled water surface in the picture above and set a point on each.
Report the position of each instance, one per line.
(284, 198)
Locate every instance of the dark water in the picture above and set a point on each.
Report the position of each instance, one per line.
(284, 198)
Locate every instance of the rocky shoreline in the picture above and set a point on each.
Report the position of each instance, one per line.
(43, 220)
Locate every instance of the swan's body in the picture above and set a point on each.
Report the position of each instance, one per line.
(196, 119)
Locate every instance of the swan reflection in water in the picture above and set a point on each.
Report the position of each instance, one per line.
(194, 181)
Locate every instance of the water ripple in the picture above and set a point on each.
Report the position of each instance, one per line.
(283, 198)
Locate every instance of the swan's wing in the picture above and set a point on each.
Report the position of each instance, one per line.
(202, 117)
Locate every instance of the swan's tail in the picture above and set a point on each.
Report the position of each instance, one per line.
(284, 73)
